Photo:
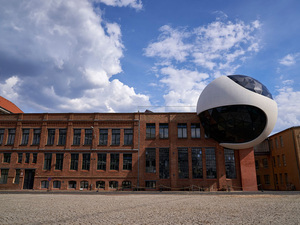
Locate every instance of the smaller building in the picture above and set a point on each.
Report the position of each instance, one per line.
(277, 161)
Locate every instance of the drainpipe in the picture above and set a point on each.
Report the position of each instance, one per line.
(139, 130)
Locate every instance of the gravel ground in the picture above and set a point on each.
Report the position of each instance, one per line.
(150, 208)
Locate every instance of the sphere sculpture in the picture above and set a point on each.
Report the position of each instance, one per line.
(237, 111)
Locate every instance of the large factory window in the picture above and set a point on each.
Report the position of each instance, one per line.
(230, 163)
(114, 161)
(197, 165)
(164, 170)
(211, 168)
(183, 163)
(150, 160)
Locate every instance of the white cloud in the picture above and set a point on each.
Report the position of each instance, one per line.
(288, 101)
(184, 86)
(170, 45)
(137, 4)
(9, 89)
(62, 57)
(216, 49)
(289, 59)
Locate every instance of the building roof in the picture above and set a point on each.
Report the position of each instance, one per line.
(7, 106)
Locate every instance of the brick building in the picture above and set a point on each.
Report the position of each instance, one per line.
(110, 151)
(277, 161)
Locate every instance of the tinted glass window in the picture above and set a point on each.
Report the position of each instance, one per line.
(251, 84)
(233, 124)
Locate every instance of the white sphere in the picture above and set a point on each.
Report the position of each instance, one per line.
(237, 111)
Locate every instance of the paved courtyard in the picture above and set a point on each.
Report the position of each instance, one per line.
(150, 208)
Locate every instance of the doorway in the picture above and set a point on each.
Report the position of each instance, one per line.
(28, 179)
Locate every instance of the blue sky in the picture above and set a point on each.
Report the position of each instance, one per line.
(129, 55)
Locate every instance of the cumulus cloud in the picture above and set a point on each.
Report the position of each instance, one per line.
(62, 56)
(137, 4)
(218, 48)
(289, 59)
(288, 101)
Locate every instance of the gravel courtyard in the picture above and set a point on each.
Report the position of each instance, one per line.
(150, 208)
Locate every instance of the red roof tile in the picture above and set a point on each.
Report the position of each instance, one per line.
(9, 106)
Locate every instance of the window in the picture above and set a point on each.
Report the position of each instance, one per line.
(51, 136)
(267, 179)
(84, 184)
(276, 179)
(265, 163)
(72, 184)
(101, 164)
(126, 184)
(59, 161)
(150, 130)
(286, 178)
(256, 165)
(195, 130)
(44, 184)
(1, 136)
(283, 160)
(278, 161)
(62, 136)
(280, 178)
(115, 137)
(197, 165)
(56, 184)
(151, 184)
(114, 161)
(47, 161)
(6, 157)
(76, 136)
(74, 161)
(164, 171)
(25, 136)
(4, 175)
(211, 170)
(281, 141)
(36, 136)
(230, 163)
(276, 142)
(27, 157)
(34, 157)
(127, 161)
(183, 163)
(86, 159)
(11, 136)
(20, 157)
(88, 136)
(103, 136)
(17, 177)
(271, 144)
(182, 130)
(128, 136)
(100, 184)
(274, 161)
(150, 160)
(163, 130)
(113, 184)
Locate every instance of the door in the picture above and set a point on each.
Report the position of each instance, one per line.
(29, 179)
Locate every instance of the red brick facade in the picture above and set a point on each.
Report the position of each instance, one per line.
(125, 165)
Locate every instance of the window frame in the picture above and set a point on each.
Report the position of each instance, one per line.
(150, 131)
(182, 130)
(163, 130)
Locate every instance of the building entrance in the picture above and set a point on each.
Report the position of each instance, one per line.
(28, 179)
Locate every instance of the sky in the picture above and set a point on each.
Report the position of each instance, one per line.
(131, 55)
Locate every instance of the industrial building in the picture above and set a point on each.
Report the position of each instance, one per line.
(117, 151)
(277, 161)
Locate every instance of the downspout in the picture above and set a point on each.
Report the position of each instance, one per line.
(139, 130)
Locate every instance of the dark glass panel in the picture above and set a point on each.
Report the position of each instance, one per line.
(233, 124)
